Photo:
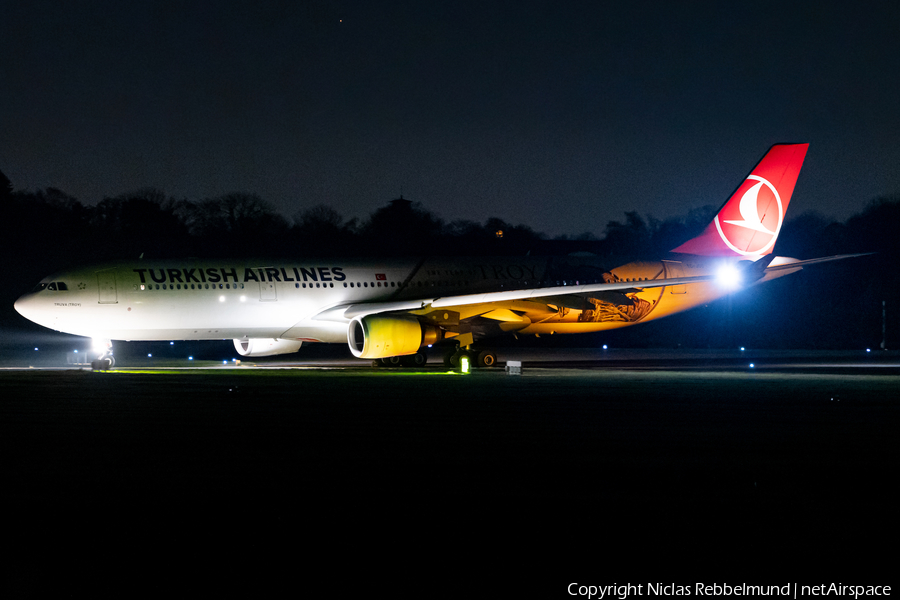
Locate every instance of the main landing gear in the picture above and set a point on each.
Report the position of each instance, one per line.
(452, 359)
(411, 360)
(478, 358)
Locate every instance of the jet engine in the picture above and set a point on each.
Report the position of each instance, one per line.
(265, 347)
(380, 336)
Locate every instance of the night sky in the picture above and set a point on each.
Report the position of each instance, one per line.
(558, 117)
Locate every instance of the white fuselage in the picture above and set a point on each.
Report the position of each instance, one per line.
(206, 300)
(194, 300)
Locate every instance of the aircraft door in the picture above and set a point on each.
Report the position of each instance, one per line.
(267, 291)
(675, 269)
(106, 284)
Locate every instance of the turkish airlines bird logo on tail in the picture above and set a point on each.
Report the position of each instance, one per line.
(749, 223)
(761, 215)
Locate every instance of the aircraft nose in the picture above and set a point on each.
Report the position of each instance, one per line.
(25, 306)
(20, 305)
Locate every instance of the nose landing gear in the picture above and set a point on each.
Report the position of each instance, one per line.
(105, 361)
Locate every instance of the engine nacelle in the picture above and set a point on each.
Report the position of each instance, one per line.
(379, 336)
(265, 347)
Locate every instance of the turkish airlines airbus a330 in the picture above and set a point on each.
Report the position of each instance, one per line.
(390, 310)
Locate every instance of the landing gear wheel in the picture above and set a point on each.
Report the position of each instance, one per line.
(104, 363)
(414, 360)
(451, 359)
(486, 358)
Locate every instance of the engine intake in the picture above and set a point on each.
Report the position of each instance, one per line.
(265, 347)
(379, 336)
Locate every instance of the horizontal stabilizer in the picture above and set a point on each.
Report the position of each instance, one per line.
(782, 264)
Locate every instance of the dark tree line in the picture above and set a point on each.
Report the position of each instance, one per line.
(151, 224)
(831, 306)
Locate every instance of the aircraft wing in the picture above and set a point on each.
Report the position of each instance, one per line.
(350, 311)
(358, 310)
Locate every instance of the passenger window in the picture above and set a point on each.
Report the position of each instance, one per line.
(52, 287)
(62, 286)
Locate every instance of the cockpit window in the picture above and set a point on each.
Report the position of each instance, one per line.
(53, 286)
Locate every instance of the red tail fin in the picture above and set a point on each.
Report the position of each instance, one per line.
(750, 221)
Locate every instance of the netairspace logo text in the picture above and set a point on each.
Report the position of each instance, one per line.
(791, 590)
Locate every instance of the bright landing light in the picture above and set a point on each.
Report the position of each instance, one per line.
(729, 276)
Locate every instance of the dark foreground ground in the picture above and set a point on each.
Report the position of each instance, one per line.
(582, 472)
